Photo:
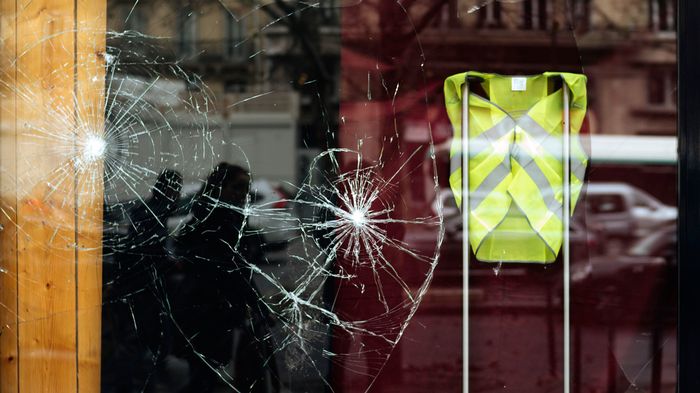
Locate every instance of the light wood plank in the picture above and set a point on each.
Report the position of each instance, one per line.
(8, 204)
(46, 197)
(90, 90)
(52, 85)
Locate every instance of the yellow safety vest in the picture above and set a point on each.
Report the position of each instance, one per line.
(515, 162)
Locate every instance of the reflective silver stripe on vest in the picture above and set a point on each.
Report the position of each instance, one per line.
(484, 141)
(497, 175)
(533, 128)
(552, 144)
(489, 137)
(579, 169)
(456, 159)
(499, 130)
(535, 173)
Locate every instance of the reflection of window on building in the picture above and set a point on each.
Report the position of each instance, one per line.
(134, 19)
(604, 204)
(661, 87)
(535, 14)
(490, 16)
(188, 31)
(448, 15)
(125, 16)
(662, 15)
(330, 11)
(235, 86)
(582, 13)
(236, 30)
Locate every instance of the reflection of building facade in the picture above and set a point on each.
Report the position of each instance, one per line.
(627, 48)
(263, 81)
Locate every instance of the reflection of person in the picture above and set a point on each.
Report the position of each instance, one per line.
(137, 321)
(149, 230)
(218, 299)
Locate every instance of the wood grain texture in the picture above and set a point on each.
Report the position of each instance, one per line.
(8, 204)
(52, 85)
(46, 211)
(90, 91)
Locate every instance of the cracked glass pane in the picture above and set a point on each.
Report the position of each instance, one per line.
(257, 238)
(266, 196)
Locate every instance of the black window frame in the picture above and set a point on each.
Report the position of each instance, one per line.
(688, 13)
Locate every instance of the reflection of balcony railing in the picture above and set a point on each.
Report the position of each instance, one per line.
(221, 51)
(662, 15)
(537, 15)
(266, 101)
(218, 50)
(330, 12)
(490, 16)
(534, 15)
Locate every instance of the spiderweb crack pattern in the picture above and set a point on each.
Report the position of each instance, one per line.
(155, 116)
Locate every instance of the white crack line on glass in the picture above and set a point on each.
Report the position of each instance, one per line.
(483, 3)
(142, 113)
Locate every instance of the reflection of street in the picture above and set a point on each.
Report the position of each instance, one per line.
(294, 371)
(616, 213)
(511, 351)
(516, 336)
(624, 213)
(623, 307)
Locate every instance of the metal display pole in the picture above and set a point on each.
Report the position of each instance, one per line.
(566, 209)
(465, 236)
(566, 214)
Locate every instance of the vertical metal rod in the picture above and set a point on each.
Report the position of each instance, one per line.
(566, 213)
(465, 236)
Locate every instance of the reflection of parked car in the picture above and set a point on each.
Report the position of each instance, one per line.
(647, 253)
(625, 212)
(585, 241)
(274, 216)
(635, 279)
(588, 234)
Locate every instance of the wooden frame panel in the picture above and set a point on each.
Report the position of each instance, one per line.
(52, 84)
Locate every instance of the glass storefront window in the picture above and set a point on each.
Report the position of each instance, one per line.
(267, 196)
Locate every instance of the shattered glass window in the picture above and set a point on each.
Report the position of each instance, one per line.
(256, 196)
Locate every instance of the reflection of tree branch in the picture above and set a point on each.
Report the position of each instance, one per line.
(397, 31)
(602, 13)
(287, 12)
(289, 15)
(270, 11)
(428, 16)
(408, 3)
(284, 7)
